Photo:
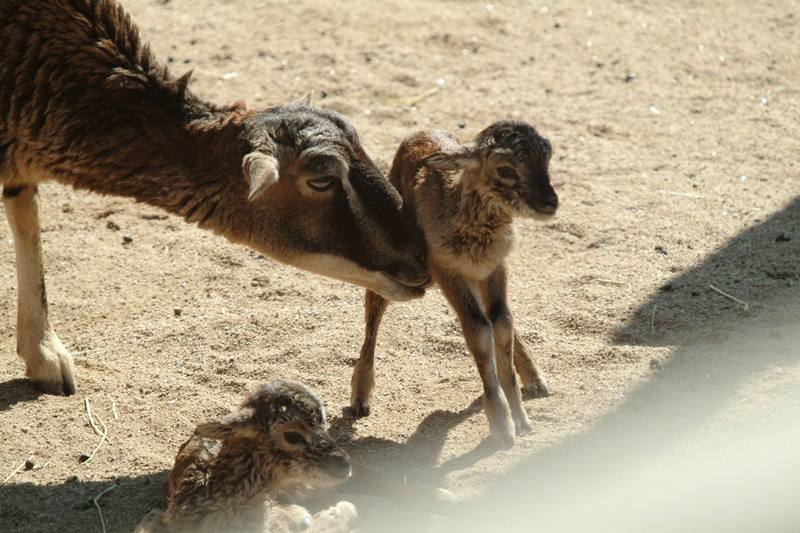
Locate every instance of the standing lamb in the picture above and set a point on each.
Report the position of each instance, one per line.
(229, 475)
(84, 102)
(464, 198)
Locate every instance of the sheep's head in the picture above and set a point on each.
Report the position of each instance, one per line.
(512, 161)
(321, 204)
(289, 420)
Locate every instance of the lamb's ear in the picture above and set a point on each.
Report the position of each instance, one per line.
(305, 101)
(452, 160)
(214, 430)
(239, 423)
(261, 172)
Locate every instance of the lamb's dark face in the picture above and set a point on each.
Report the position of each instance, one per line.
(516, 162)
(294, 420)
(286, 422)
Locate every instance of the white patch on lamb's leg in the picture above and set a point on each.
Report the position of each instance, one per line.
(48, 363)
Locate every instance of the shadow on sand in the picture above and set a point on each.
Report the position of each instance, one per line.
(68, 506)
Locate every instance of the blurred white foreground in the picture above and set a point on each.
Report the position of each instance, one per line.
(711, 443)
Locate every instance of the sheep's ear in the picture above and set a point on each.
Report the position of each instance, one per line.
(452, 160)
(305, 101)
(261, 172)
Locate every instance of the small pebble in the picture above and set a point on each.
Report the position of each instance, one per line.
(127, 240)
(112, 226)
(72, 479)
(83, 458)
(782, 237)
(661, 250)
(29, 464)
(178, 311)
(630, 77)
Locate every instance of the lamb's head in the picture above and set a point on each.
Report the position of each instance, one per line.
(289, 420)
(325, 207)
(511, 160)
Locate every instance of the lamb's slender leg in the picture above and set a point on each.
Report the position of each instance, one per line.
(49, 364)
(480, 340)
(363, 380)
(496, 304)
(532, 378)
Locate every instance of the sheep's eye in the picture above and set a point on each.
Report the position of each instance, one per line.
(292, 437)
(322, 183)
(507, 173)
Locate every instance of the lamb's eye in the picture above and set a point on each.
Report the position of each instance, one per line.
(507, 173)
(294, 438)
(322, 183)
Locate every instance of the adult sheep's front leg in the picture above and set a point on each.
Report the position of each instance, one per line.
(48, 363)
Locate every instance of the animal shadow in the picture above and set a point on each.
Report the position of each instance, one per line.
(16, 391)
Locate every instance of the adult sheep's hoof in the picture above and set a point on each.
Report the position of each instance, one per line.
(49, 366)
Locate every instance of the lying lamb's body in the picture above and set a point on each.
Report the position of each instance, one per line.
(463, 199)
(229, 475)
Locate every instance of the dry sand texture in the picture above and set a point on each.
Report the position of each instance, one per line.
(675, 128)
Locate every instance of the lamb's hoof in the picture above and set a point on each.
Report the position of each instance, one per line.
(51, 369)
(360, 408)
(504, 436)
(523, 426)
(536, 389)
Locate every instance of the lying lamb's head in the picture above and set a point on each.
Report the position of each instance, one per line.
(290, 419)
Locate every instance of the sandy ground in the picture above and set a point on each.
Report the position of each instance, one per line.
(675, 132)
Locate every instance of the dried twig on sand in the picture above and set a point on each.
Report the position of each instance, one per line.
(677, 193)
(89, 415)
(653, 319)
(103, 438)
(17, 469)
(114, 411)
(745, 305)
(97, 505)
(414, 100)
(102, 432)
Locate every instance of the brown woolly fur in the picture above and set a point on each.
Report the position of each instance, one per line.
(230, 474)
(464, 198)
(84, 102)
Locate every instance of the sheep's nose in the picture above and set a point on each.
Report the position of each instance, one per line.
(550, 203)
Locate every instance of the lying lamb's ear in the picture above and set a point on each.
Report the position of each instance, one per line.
(261, 172)
(237, 424)
(450, 161)
(305, 101)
